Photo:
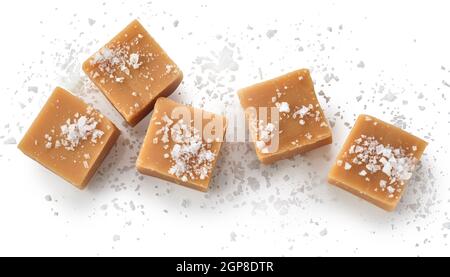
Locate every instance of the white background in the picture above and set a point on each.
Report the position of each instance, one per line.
(389, 59)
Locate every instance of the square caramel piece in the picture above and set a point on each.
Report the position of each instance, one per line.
(132, 71)
(285, 117)
(182, 144)
(376, 161)
(69, 138)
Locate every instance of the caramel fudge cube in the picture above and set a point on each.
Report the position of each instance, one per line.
(182, 144)
(293, 121)
(69, 138)
(132, 71)
(376, 161)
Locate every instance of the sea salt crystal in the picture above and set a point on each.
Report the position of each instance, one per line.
(303, 111)
(76, 130)
(283, 107)
(260, 144)
(351, 150)
(359, 149)
(347, 166)
(169, 68)
(387, 168)
(266, 131)
(134, 61)
(190, 156)
(390, 189)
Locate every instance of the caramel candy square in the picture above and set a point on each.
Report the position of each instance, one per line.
(285, 117)
(376, 161)
(132, 71)
(182, 144)
(69, 138)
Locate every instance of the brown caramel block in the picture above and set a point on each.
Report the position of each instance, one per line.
(132, 71)
(69, 138)
(169, 153)
(376, 161)
(301, 124)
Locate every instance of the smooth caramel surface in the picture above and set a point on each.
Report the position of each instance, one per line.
(69, 138)
(132, 71)
(169, 153)
(302, 125)
(376, 161)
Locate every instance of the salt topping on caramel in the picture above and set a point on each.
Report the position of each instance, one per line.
(395, 163)
(191, 157)
(115, 61)
(76, 129)
(265, 134)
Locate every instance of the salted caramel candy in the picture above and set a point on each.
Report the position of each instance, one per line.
(376, 161)
(132, 71)
(69, 138)
(182, 144)
(285, 110)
